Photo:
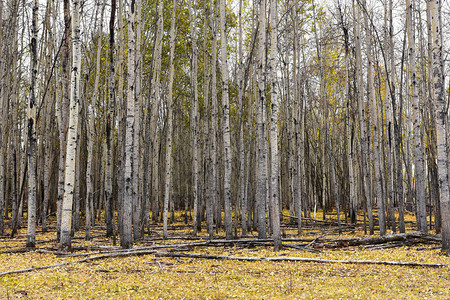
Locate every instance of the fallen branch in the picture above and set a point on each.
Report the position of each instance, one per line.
(329, 222)
(299, 259)
(410, 238)
(87, 259)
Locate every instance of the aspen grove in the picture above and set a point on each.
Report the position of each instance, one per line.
(242, 115)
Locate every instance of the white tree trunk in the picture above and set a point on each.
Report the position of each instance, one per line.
(69, 177)
(137, 154)
(261, 176)
(226, 124)
(168, 177)
(126, 238)
(194, 114)
(362, 116)
(418, 152)
(63, 114)
(32, 174)
(274, 127)
(441, 107)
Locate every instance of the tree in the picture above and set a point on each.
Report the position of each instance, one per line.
(261, 189)
(194, 115)
(168, 175)
(31, 233)
(421, 200)
(63, 113)
(126, 237)
(226, 124)
(72, 138)
(109, 205)
(441, 107)
(274, 127)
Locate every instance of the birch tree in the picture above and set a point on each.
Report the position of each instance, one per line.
(69, 176)
(441, 119)
(362, 115)
(274, 127)
(413, 91)
(129, 192)
(261, 189)
(194, 115)
(168, 175)
(32, 174)
(63, 113)
(109, 205)
(226, 124)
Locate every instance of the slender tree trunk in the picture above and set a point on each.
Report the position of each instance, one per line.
(109, 205)
(126, 238)
(194, 116)
(69, 177)
(168, 175)
(375, 127)
(209, 177)
(441, 119)
(274, 127)
(136, 165)
(214, 115)
(418, 152)
(226, 125)
(32, 173)
(2, 130)
(388, 100)
(349, 127)
(63, 114)
(362, 117)
(241, 148)
(261, 176)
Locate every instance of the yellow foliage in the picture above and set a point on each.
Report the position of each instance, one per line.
(149, 277)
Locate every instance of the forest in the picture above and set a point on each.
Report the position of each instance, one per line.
(232, 123)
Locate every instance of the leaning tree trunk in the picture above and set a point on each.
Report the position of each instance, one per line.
(69, 176)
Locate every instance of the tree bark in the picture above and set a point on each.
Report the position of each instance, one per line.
(418, 150)
(72, 139)
(274, 127)
(226, 124)
(32, 173)
(261, 176)
(441, 119)
(168, 175)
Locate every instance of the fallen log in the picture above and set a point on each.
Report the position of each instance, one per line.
(413, 237)
(299, 259)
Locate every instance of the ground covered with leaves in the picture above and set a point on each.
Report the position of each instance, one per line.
(148, 273)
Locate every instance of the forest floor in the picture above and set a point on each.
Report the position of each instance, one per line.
(97, 269)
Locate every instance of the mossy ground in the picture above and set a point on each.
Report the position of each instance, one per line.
(148, 277)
